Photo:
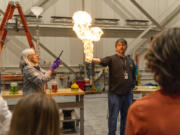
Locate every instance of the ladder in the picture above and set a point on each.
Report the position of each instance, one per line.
(7, 16)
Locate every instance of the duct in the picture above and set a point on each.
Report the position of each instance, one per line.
(54, 56)
(146, 14)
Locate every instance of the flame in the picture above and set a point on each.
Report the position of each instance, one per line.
(82, 22)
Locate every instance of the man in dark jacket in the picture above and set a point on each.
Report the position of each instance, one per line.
(122, 79)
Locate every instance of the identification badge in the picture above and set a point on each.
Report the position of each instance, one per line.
(125, 75)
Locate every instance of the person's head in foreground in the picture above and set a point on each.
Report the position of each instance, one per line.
(157, 113)
(35, 114)
(163, 59)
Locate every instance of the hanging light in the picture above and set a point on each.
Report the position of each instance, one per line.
(37, 11)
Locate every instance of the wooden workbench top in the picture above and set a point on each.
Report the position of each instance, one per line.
(60, 92)
(145, 89)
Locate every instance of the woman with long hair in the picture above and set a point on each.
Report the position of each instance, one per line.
(35, 114)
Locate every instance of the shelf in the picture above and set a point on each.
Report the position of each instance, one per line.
(11, 77)
(68, 119)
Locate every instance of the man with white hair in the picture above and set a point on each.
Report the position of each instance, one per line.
(34, 77)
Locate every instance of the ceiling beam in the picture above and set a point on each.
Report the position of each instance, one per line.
(54, 30)
(163, 23)
(135, 43)
(116, 9)
(124, 9)
(146, 14)
(169, 18)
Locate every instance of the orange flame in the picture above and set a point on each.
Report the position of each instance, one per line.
(82, 22)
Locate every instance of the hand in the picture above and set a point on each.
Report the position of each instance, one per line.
(55, 64)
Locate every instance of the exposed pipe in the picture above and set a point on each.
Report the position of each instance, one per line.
(83, 5)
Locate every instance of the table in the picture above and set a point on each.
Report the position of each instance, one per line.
(141, 91)
(144, 89)
(78, 103)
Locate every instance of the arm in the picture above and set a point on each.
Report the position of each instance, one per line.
(96, 60)
(36, 76)
(103, 61)
(49, 71)
(5, 117)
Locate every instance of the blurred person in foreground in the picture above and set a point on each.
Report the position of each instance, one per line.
(34, 77)
(5, 117)
(35, 114)
(158, 113)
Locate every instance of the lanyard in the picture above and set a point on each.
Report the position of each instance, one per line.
(123, 62)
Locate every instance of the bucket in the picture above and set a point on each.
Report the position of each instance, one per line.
(81, 84)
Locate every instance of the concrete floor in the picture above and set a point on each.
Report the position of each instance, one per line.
(95, 115)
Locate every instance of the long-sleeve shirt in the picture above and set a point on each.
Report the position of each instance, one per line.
(118, 66)
(34, 79)
(5, 117)
(155, 114)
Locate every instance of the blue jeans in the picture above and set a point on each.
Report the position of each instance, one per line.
(116, 104)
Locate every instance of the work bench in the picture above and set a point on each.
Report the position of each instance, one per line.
(78, 102)
(141, 91)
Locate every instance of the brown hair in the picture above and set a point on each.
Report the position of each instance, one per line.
(123, 41)
(163, 59)
(35, 114)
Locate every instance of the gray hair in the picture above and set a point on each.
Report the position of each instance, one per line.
(25, 58)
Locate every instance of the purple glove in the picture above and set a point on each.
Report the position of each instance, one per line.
(55, 64)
